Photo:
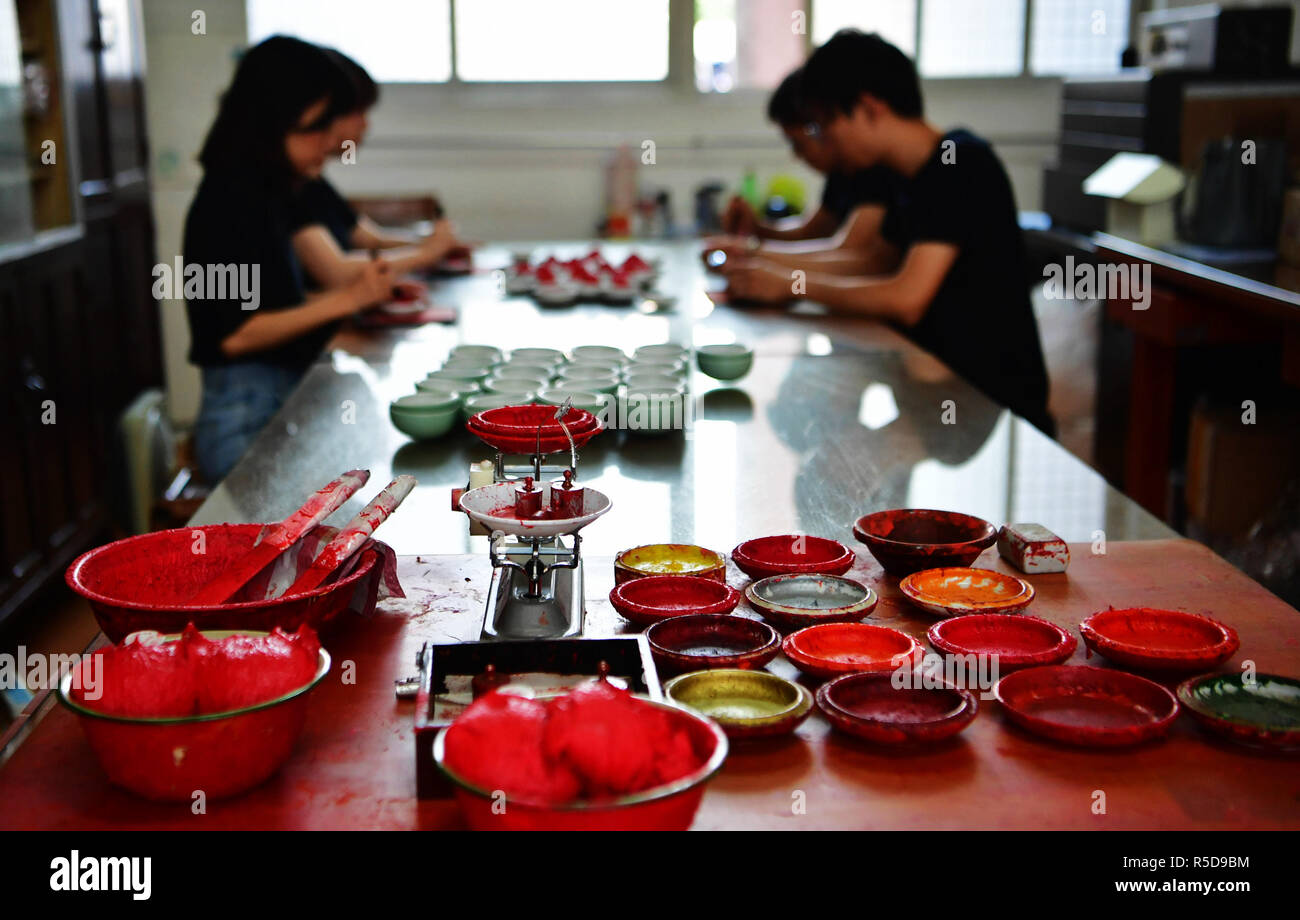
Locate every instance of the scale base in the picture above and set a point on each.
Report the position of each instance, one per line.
(556, 613)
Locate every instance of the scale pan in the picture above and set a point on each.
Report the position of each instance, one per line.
(523, 446)
(494, 507)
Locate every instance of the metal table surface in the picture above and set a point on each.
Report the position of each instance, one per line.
(838, 417)
(801, 442)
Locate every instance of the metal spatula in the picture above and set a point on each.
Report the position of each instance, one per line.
(284, 535)
(354, 534)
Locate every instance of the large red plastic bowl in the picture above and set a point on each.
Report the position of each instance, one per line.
(221, 754)
(670, 807)
(144, 582)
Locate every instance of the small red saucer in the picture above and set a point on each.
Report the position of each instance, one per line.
(832, 649)
(959, 590)
(792, 554)
(711, 640)
(871, 707)
(1017, 641)
(1089, 707)
(657, 597)
(1159, 640)
(1259, 710)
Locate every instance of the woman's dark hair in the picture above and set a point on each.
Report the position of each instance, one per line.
(357, 91)
(787, 106)
(275, 82)
(852, 63)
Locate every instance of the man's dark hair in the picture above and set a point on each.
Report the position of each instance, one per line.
(787, 107)
(852, 63)
(275, 83)
(357, 91)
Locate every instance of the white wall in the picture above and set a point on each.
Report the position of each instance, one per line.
(184, 75)
(534, 170)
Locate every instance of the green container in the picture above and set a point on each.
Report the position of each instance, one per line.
(424, 424)
(724, 362)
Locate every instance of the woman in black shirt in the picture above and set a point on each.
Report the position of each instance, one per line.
(333, 242)
(253, 330)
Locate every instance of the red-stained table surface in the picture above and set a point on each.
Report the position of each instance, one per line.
(354, 764)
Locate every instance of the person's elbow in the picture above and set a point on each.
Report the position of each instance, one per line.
(329, 273)
(909, 303)
(237, 344)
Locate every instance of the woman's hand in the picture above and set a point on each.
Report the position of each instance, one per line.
(409, 291)
(374, 285)
(442, 242)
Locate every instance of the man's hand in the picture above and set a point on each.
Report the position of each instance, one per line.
(759, 281)
(736, 248)
(739, 217)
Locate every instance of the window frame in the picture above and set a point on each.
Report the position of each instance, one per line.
(680, 79)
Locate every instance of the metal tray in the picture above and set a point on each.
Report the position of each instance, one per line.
(446, 669)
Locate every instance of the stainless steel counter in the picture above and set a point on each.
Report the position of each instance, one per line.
(837, 418)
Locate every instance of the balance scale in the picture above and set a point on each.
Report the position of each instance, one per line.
(537, 585)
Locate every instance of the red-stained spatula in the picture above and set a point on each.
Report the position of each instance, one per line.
(282, 536)
(354, 534)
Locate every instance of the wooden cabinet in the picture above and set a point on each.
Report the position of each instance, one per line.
(79, 335)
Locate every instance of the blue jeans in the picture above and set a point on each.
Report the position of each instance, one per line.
(238, 401)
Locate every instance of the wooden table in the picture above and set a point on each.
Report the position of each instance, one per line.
(354, 764)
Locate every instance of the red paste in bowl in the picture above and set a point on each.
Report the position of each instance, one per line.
(194, 675)
(597, 742)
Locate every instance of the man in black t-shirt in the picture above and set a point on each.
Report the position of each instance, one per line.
(959, 288)
(843, 234)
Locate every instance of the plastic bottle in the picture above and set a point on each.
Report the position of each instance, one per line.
(620, 192)
(749, 189)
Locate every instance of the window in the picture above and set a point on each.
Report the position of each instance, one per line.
(414, 46)
(747, 43)
(964, 39)
(737, 43)
(561, 40)
(1077, 36)
(895, 20)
